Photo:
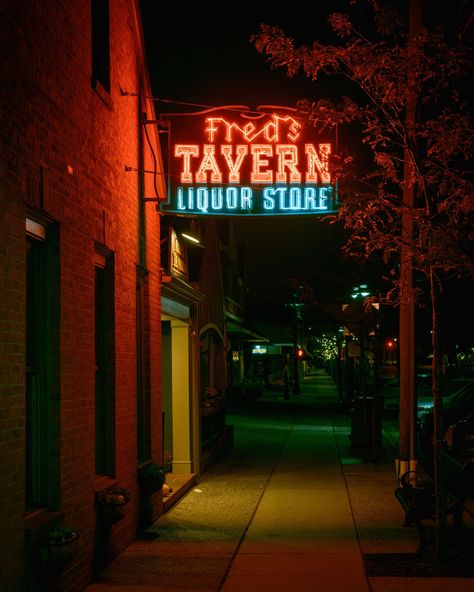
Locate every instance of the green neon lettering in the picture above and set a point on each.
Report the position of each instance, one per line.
(282, 195)
(246, 198)
(231, 198)
(295, 198)
(217, 198)
(310, 199)
(268, 199)
(202, 199)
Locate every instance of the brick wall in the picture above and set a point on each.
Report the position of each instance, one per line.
(63, 152)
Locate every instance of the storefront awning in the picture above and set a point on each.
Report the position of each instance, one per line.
(246, 334)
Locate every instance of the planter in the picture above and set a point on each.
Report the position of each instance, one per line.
(151, 478)
(151, 484)
(213, 408)
(111, 506)
(111, 513)
(54, 553)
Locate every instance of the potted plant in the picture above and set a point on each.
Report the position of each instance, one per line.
(152, 477)
(58, 546)
(168, 463)
(112, 505)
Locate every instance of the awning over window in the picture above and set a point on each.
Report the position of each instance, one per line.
(246, 334)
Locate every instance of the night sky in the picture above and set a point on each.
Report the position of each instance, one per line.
(198, 56)
(206, 58)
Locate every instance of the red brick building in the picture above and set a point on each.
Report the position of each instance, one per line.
(80, 281)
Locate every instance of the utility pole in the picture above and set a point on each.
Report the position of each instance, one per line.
(407, 426)
(296, 376)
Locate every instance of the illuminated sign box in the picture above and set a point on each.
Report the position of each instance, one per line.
(178, 261)
(228, 161)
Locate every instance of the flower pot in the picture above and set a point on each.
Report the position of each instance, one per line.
(111, 504)
(54, 553)
(111, 513)
(151, 484)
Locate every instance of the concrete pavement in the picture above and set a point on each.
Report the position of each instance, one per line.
(292, 507)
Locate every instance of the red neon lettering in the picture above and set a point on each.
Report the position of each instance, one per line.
(208, 163)
(234, 165)
(257, 175)
(287, 159)
(271, 131)
(315, 162)
(294, 128)
(210, 129)
(186, 151)
(279, 164)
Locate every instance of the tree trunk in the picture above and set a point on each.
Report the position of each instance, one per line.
(438, 428)
(339, 343)
(407, 418)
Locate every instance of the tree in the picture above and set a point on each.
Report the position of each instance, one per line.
(389, 71)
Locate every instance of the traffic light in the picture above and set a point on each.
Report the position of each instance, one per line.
(300, 353)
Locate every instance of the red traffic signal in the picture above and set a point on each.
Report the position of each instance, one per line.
(300, 353)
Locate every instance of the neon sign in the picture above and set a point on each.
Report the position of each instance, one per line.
(247, 164)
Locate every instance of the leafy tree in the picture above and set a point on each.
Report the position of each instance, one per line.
(392, 70)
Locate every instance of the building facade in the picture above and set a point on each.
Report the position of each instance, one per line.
(195, 393)
(80, 307)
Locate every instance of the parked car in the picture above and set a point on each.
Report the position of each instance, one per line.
(449, 384)
(460, 435)
(456, 406)
(390, 391)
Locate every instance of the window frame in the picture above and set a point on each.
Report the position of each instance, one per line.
(42, 374)
(100, 45)
(104, 348)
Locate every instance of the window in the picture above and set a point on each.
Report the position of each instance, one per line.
(42, 365)
(104, 363)
(100, 43)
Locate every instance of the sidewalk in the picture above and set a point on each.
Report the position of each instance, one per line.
(291, 508)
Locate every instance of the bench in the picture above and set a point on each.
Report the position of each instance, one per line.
(417, 497)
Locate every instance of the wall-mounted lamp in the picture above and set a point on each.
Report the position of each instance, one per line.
(193, 233)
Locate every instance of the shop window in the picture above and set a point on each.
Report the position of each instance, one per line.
(104, 363)
(42, 366)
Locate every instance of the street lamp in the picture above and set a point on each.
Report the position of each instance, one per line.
(360, 291)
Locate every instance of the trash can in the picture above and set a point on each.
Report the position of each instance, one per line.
(366, 424)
